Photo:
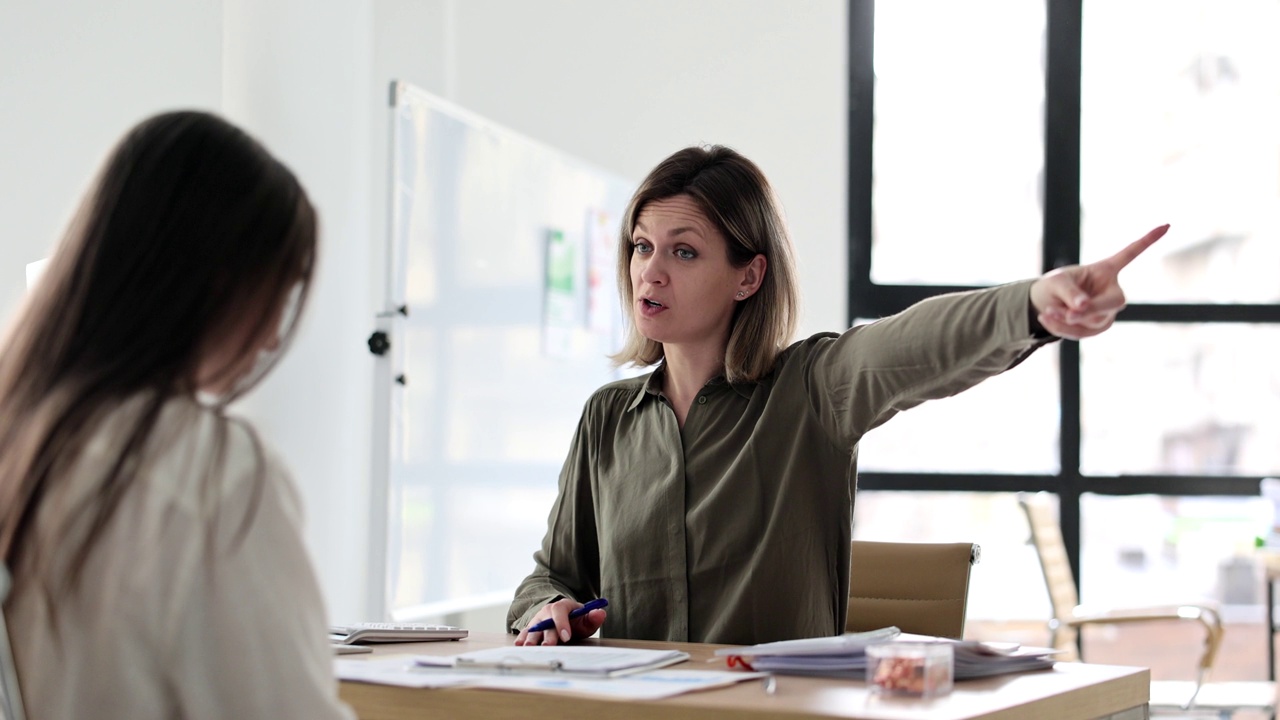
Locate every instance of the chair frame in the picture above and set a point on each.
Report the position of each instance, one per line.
(1069, 617)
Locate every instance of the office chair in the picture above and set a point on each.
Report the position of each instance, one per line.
(920, 588)
(10, 692)
(1197, 697)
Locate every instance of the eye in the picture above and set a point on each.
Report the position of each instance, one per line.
(685, 254)
(642, 247)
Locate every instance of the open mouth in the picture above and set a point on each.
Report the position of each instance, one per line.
(650, 308)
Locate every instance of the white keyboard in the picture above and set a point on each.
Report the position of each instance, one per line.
(378, 632)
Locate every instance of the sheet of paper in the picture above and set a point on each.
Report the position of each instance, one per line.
(560, 658)
(399, 670)
(653, 685)
(402, 671)
(833, 645)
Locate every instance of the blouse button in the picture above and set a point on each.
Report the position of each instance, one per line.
(702, 399)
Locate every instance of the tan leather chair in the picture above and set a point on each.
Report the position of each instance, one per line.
(1183, 697)
(10, 695)
(920, 588)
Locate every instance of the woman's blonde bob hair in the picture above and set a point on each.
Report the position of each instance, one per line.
(734, 195)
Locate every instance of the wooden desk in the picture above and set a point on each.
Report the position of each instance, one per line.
(1071, 691)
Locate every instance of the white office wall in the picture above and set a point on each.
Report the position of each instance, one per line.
(627, 83)
(296, 74)
(624, 83)
(74, 76)
(620, 84)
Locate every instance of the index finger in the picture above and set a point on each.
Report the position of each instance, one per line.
(1118, 261)
(561, 632)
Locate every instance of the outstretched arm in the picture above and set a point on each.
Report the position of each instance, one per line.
(946, 344)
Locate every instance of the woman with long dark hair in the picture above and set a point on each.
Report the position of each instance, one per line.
(155, 543)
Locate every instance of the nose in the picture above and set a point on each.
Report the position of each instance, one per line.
(652, 270)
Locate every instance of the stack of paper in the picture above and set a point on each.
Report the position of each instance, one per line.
(846, 656)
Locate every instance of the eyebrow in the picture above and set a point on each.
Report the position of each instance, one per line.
(676, 231)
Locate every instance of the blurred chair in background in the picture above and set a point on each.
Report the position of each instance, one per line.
(1168, 697)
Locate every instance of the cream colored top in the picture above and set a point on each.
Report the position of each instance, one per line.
(198, 601)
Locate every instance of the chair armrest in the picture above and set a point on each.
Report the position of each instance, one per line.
(1083, 614)
(1208, 617)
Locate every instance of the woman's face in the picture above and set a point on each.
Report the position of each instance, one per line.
(685, 289)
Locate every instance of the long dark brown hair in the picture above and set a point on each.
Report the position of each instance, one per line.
(191, 230)
(733, 194)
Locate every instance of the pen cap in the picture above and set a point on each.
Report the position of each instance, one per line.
(913, 669)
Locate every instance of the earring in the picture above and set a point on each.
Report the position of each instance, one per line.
(741, 294)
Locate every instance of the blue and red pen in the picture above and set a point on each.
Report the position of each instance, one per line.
(550, 623)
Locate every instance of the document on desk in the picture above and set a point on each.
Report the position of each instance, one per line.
(848, 643)
(404, 671)
(398, 670)
(576, 659)
(845, 655)
(652, 685)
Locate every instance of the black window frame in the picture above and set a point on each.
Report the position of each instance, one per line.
(1061, 246)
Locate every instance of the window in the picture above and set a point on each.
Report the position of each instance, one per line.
(994, 140)
(958, 146)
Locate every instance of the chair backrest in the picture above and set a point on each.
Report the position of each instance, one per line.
(1064, 596)
(920, 588)
(10, 693)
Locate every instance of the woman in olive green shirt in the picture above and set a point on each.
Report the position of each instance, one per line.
(711, 500)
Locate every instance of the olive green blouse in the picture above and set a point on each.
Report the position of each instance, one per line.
(736, 528)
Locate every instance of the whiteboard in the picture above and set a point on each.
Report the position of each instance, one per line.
(502, 255)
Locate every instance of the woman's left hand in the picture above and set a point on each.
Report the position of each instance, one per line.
(1081, 301)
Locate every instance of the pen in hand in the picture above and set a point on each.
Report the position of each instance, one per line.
(550, 623)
